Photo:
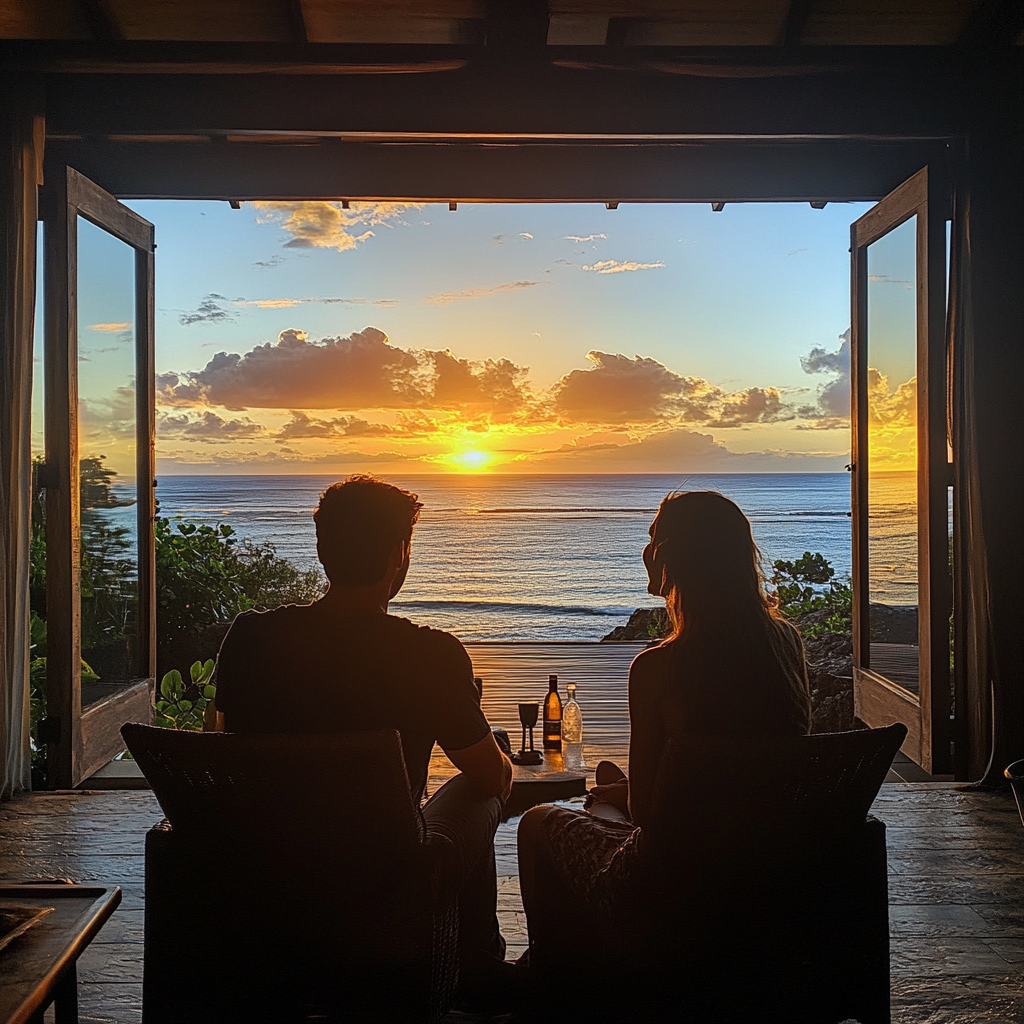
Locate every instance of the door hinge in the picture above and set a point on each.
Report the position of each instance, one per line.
(49, 730)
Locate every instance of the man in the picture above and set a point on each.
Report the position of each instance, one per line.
(343, 664)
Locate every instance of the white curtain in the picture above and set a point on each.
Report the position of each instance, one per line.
(21, 150)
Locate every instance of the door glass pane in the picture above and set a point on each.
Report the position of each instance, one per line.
(892, 455)
(106, 449)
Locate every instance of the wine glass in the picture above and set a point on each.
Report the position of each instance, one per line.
(528, 719)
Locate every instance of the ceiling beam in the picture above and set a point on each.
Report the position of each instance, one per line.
(517, 23)
(992, 25)
(896, 93)
(102, 23)
(793, 24)
(296, 21)
(717, 172)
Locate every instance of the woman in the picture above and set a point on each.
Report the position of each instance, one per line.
(732, 666)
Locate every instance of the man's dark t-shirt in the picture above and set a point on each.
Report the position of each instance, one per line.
(311, 669)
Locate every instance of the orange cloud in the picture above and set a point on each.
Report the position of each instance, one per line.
(617, 389)
(327, 225)
(444, 298)
(620, 266)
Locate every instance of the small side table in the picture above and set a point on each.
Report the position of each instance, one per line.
(40, 966)
(543, 783)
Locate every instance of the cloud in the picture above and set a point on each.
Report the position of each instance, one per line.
(206, 427)
(617, 389)
(359, 371)
(679, 451)
(886, 279)
(110, 328)
(889, 409)
(833, 403)
(112, 415)
(303, 426)
(498, 240)
(274, 261)
(620, 266)
(525, 235)
(433, 391)
(494, 386)
(584, 238)
(895, 410)
(280, 460)
(209, 311)
(327, 225)
(474, 293)
(288, 303)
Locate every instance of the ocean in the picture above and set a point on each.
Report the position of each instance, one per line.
(499, 558)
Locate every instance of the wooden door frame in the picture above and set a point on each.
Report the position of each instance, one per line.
(877, 700)
(80, 743)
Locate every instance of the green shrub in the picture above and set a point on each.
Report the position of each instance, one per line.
(183, 705)
(205, 576)
(809, 586)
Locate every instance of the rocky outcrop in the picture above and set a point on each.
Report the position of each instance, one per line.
(648, 624)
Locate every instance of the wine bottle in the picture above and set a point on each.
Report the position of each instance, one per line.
(552, 716)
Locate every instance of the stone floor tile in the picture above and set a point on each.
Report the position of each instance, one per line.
(910, 956)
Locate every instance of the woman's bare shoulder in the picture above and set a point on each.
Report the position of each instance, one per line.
(650, 667)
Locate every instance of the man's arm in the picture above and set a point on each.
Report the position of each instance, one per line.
(485, 766)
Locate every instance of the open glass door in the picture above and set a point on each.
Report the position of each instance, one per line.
(100, 419)
(902, 591)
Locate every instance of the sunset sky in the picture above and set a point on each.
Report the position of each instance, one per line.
(305, 338)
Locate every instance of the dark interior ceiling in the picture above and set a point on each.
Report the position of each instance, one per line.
(595, 23)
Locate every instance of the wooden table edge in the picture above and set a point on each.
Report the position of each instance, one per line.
(99, 913)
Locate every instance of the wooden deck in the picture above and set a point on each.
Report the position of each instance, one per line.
(956, 862)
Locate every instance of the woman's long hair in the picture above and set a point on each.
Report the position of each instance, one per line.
(725, 623)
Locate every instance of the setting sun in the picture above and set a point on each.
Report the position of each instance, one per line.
(471, 460)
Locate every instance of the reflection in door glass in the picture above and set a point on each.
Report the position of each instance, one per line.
(106, 440)
(892, 455)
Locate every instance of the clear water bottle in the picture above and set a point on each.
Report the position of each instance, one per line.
(572, 732)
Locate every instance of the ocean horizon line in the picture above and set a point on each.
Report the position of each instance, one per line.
(551, 476)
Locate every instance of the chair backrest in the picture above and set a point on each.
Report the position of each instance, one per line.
(766, 795)
(295, 798)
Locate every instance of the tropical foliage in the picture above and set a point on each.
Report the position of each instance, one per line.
(182, 705)
(204, 576)
(807, 589)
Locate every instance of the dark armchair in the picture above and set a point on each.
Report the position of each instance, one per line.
(762, 889)
(292, 879)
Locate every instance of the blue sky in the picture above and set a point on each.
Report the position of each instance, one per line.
(701, 328)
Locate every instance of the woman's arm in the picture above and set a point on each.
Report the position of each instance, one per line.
(646, 729)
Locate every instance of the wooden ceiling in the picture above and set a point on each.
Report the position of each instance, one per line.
(598, 23)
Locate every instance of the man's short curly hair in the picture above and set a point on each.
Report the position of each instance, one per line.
(358, 523)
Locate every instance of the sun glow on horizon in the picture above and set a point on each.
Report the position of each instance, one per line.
(472, 461)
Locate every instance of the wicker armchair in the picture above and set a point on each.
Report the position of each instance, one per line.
(291, 879)
(762, 894)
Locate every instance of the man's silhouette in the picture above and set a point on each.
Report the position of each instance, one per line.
(344, 664)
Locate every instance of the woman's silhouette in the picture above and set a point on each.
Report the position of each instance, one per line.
(732, 666)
